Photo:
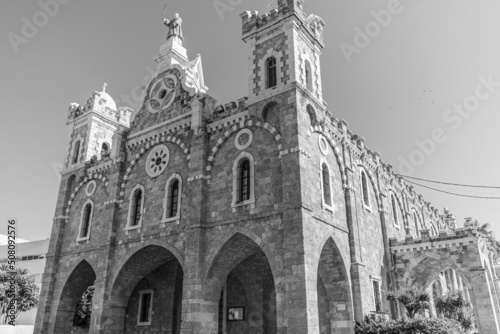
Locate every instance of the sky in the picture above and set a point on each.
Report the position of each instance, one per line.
(419, 80)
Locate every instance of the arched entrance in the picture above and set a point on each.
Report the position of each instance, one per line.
(240, 281)
(82, 277)
(334, 297)
(146, 295)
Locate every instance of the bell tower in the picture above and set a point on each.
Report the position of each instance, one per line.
(92, 130)
(284, 51)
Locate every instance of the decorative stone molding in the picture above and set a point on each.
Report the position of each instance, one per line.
(243, 139)
(80, 186)
(237, 127)
(90, 188)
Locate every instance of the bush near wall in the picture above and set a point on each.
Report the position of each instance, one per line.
(409, 326)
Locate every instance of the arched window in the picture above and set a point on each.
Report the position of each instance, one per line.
(105, 150)
(366, 194)
(85, 221)
(271, 73)
(244, 180)
(136, 208)
(173, 198)
(433, 230)
(417, 229)
(327, 196)
(394, 211)
(309, 81)
(312, 115)
(76, 152)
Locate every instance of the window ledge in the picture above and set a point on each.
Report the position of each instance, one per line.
(367, 208)
(327, 207)
(172, 219)
(81, 240)
(132, 228)
(244, 203)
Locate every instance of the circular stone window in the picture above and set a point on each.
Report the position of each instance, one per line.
(163, 93)
(323, 145)
(91, 187)
(157, 161)
(243, 139)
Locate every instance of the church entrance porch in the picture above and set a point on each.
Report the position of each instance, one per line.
(242, 281)
(146, 296)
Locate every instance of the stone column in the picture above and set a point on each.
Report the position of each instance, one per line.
(358, 269)
(432, 308)
(454, 281)
(487, 321)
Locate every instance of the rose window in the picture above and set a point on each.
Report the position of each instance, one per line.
(157, 160)
(243, 139)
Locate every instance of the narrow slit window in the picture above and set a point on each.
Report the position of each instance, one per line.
(394, 211)
(244, 180)
(377, 296)
(76, 152)
(173, 198)
(137, 207)
(271, 70)
(86, 219)
(145, 307)
(308, 73)
(366, 196)
(326, 185)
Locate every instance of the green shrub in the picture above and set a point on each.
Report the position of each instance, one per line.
(409, 326)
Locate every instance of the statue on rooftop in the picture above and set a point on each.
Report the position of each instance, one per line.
(174, 27)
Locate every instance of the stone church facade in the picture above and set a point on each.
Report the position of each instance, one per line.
(264, 215)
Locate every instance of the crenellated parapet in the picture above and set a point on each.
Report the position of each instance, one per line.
(226, 110)
(426, 241)
(252, 21)
(357, 152)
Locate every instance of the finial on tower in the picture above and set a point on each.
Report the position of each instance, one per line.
(104, 87)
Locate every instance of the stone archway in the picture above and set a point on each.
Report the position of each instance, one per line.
(422, 260)
(334, 291)
(240, 283)
(146, 294)
(78, 282)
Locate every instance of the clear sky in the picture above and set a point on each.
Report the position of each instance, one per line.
(397, 88)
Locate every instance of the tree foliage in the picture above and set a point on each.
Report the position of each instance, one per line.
(25, 296)
(453, 305)
(84, 308)
(414, 298)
